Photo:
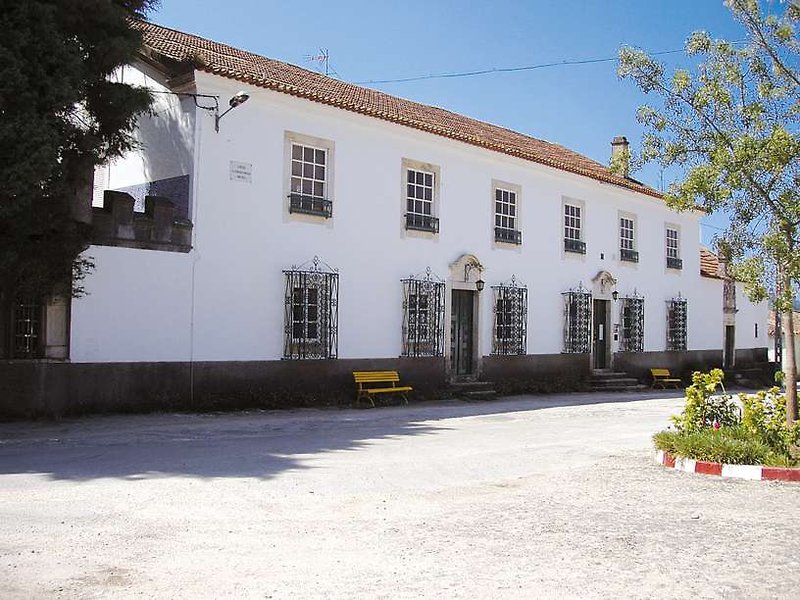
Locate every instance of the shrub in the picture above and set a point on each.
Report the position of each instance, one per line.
(764, 417)
(710, 427)
(703, 409)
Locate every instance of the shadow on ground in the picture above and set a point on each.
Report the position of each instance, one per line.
(249, 444)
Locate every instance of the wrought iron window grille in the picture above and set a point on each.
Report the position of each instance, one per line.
(423, 315)
(576, 246)
(632, 321)
(27, 328)
(628, 255)
(509, 236)
(310, 205)
(577, 320)
(676, 324)
(420, 222)
(311, 305)
(674, 263)
(510, 318)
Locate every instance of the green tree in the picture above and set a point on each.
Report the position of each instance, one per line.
(61, 114)
(730, 126)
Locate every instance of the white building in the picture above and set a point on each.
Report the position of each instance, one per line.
(320, 221)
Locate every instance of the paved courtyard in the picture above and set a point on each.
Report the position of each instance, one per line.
(553, 496)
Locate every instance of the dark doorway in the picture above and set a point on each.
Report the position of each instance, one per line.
(730, 347)
(461, 332)
(600, 334)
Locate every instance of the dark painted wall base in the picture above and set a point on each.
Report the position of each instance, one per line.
(51, 389)
(40, 389)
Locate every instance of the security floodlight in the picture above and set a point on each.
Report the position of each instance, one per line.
(237, 99)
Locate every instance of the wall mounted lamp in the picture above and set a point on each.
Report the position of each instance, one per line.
(237, 100)
(479, 285)
(615, 295)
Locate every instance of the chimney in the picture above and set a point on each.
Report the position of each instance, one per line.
(620, 156)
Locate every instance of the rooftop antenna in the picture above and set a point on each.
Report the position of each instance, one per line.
(323, 59)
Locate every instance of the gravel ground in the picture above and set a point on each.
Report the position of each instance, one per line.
(524, 497)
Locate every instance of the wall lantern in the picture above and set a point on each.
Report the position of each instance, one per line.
(238, 99)
(480, 284)
(615, 295)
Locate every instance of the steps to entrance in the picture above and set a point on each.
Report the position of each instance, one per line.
(473, 390)
(613, 381)
(754, 376)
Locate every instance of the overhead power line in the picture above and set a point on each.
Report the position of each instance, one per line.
(561, 63)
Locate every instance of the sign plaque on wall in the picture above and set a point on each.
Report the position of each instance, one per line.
(241, 171)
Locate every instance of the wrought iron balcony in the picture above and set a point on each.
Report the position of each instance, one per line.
(576, 246)
(509, 236)
(674, 263)
(422, 222)
(628, 255)
(310, 205)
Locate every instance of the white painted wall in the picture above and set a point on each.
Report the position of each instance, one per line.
(164, 139)
(244, 238)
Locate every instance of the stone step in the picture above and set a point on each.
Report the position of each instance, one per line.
(473, 390)
(604, 383)
(479, 395)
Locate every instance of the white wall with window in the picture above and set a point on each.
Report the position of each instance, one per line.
(227, 301)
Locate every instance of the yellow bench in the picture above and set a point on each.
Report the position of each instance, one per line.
(379, 382)
(664, 378)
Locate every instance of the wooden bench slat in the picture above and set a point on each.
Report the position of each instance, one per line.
(388, 378)
(664, 377)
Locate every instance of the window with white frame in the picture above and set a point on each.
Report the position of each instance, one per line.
(673, 248)
(506, 216)
(573, 229)
(308, 186)
(627, 240)
(420, 197)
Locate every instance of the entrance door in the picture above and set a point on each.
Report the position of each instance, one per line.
(730, 346)
(461, 333)
(600, 334)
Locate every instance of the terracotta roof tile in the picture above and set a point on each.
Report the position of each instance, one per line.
(226, 61)
(709, 264)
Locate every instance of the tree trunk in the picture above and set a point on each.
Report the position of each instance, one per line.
(787, 320)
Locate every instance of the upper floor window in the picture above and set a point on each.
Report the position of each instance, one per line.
(423, 315)
(627, 240)
(420, 200)
(506, 219)
(309, 175)
(573, 229)
(676, 323)
(311, 311)
(673, 248)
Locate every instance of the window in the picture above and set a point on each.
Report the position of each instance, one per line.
(423, 315)
(673, 249)
(577, 318)
(627, 240)
(632, 321)
(421, 192)
(506, 216)
(26, 328)
(308, 184)
(312, 311)
(573, 225)
(676, 324)
(510, 319)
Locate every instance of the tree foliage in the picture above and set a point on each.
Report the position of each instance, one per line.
(61, 113)
(731, 126)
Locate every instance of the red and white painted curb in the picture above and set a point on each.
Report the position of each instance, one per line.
(756, 472)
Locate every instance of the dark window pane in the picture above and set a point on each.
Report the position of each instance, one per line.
(429, 179)
(308, 154)
(319, 156)
(297, 151)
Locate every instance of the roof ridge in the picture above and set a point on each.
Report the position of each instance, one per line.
(248, 67)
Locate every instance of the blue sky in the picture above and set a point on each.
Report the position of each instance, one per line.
(582, 106)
